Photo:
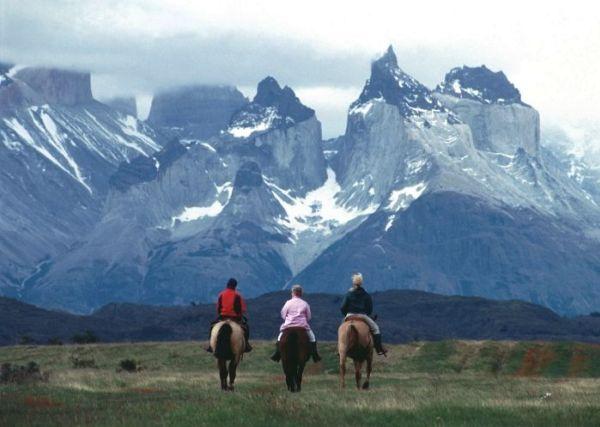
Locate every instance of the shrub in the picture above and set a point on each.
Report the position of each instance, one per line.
(88, 337)
(25, 339)
(82, 363)
(20, 374)
(128, 365)
(55, 341)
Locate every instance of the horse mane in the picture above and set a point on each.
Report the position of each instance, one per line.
(223, 348)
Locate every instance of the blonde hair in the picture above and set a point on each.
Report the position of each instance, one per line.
(357, 280)
(297, 290)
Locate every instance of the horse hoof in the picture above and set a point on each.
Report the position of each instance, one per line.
(231, 388)
(365, 386)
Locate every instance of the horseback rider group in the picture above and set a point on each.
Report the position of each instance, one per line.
(296, 313)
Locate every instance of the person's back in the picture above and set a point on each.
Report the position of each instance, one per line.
(296, 314)
(359, 303)
(231, 305)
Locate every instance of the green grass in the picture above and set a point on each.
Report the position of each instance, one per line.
(434, 383)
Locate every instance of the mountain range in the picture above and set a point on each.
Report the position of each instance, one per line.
(453, 190)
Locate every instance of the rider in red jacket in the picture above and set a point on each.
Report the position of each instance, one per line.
(231, 305)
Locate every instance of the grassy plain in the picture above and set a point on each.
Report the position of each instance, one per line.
(424, 383)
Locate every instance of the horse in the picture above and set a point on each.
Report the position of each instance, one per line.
(295, 351)
(355, 341)
(228, 342)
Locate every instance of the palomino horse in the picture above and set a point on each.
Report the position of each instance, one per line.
(355, 341)
(295, 352)
(227, 341)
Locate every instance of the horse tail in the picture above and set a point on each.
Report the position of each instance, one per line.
(223, 348)
(292, 348)
(351, 335)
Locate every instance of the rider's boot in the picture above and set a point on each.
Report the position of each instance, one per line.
(248, 348)
(314, 353)
(378, 346)
(276, 357)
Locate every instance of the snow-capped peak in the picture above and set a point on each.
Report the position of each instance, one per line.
(390, 83)
(272, 107)
(480, 84)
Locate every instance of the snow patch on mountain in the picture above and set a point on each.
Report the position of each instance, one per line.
(248, 124)
(402, 198)
(318, 211)
(194, 213)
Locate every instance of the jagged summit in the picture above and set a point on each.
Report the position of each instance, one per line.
(272, 107)
(480, 84)
(390, 83)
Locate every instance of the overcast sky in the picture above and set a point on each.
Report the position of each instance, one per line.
(550, 50)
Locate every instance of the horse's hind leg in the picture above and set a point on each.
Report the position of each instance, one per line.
(342, 370)
(299, 377)
(223, 373)
(357, 372)
(232, 373)
(369, 369)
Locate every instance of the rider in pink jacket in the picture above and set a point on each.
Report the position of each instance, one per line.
(296, 314)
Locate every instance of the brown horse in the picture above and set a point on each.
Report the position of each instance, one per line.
(295, 351)
(355, 341)
(227, 340)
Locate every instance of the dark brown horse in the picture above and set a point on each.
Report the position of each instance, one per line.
(355, 341)
(295, 351)
(227, 340)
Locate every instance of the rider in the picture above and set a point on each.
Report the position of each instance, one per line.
(358, 303)
(296, 313)
(231, 306)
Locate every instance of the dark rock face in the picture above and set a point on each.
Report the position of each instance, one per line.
(455, 244)
(146, 168)
(125, 105)
(480, 84)
(389, 82)
(195, 111)
(62, 87)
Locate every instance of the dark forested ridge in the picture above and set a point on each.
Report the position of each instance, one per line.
(404, 315)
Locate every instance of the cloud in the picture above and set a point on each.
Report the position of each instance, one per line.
(322, 49)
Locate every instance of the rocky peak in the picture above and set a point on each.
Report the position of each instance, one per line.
(62, 87)
(390, 83)
(273, 107)
(480, 84)
(270, 94)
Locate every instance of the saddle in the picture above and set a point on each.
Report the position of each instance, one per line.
(355, 318)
